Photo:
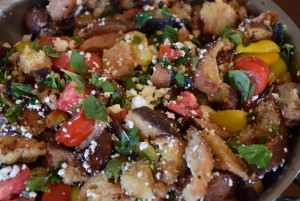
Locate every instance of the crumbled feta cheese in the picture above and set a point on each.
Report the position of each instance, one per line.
(115, 108)
(144, 145)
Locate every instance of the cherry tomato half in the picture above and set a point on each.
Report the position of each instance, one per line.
(14, 186)
(58, 192)
(167, 51)
(62, 62)
(257, 71)
(75, 130)
(70, 97)
(186, 105)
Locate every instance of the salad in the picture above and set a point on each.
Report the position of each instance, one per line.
(145, 100)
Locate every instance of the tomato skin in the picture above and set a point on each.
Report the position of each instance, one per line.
(75, 130)
(167, 51)
(122, 115)
(260, 62)
(58, 192)
(15, 185)
(186, 105)
(62, 62)
(256, 73)
(70, 97)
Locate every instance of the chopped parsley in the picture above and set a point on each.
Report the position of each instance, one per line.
(19, 90)
(7, 55)
(48, 49)
(13, 113)
(136, 40)
(142, 18)
(51, 82)
(128, 141)
(76, 78)
(165, 13)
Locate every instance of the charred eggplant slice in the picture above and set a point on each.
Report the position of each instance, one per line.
(159, 24)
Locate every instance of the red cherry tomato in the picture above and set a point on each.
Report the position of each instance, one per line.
(58, 192)
(62, 62)
(70, 97)
(257, 71)
(121, 115)
(23, 199)
(75, 130)
(186, 105)
(129, 13)
(14, 186)
(50, 40)
(243, 60)
(167, 51)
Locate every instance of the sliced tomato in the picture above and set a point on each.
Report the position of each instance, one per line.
(186, 105)
(75, 130)
(62, 62)
(58, 192)
(70, 97)
(256, 72)
(243, 60)
(14, 186)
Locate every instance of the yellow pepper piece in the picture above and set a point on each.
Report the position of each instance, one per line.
(139, 45)
(232, 120)
(279, 67)
(56, 117)
(262, 46)
(269, 58)
(20, 47)
(74, 193)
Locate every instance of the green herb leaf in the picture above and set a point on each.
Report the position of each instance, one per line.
(77, 40)
(94, 110)
(256, 154)
(179, 77)
(126, 100)
(77, 62)
(180, 60)
(38, 184)
(3, 76)
(130, 84)
(239, 81)
(76, 78)
(20, 90)
(229, 33)
(7, 55)
(36, 45)
(48, 49)
(164, 61)
(251, 117)
(142, 18)
(53, 179)
(136, 40)
(113, 167)
(51, 82)
(169, 33)
(286, 52)
(13, 113)
(165, 13)
(128, 141)
(148, 152)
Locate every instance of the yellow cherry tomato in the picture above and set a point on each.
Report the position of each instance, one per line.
(139, 45)
(74, 193)
(279, 67)
(269, 58)
(261, 46)
(20, 47)
(232, 120)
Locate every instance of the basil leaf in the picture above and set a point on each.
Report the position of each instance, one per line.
(179, 77)
(142, 18)
(94, 110)
(113, 167)
(7, 55)
(76, 78)
(51, 82)
(165, 13)
(130, 84)
(146, 150)
(37, 184)
(286, 52)
(239, 81)
(256, 154)
(53, 179)
(229, 33)
(77, 62)
(97, 81)
(128, 141)
(136, 40)
(169, 33)
(48, 49)
(36, 45)
(13, 113)
(20, 90)
(180, 60)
